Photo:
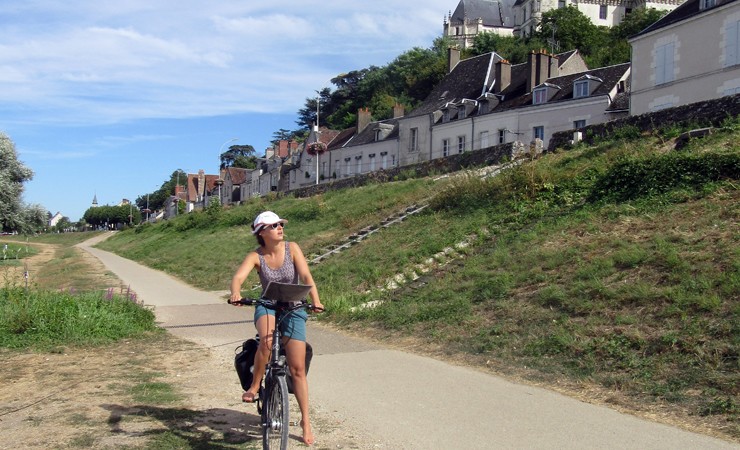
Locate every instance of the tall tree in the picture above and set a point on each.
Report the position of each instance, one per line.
(238, 156)
(13, 174)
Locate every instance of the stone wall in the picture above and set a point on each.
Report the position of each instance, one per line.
(700, 114)
(477, 158)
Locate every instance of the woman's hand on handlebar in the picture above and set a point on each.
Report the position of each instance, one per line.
(234, 299)
(317, 307)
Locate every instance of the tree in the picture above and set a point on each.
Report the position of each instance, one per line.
(239, 156)
(111, 216)
(572, 29)
(14, 215)
(511, 48)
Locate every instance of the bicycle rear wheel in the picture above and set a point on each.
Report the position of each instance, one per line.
(275, 415)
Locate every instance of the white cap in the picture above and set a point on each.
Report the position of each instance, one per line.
(265, 218)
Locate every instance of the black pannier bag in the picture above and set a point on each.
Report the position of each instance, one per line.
(244, 362)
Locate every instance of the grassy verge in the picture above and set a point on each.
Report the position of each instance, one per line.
(46, 320)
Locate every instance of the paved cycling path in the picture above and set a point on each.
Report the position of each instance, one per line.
(408, 401)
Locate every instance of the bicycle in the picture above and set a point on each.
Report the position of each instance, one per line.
(285, 299)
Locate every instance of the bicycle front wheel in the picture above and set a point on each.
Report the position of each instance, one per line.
(275, 415)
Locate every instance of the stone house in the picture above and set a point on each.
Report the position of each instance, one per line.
(473, 17)
(690, 55)
(608, 13)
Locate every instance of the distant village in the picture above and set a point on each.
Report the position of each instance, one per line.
(690, 55)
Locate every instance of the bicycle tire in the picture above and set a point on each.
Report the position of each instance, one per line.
(275, 422)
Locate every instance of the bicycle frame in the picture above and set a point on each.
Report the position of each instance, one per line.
(274, 393)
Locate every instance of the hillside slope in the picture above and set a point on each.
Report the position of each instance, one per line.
(611, 271)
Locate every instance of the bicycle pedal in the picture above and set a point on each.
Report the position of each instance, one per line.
(293, 423)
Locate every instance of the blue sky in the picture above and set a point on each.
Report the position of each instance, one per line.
(107, 99)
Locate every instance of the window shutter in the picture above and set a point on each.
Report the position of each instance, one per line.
(731, 49)
(659, 63)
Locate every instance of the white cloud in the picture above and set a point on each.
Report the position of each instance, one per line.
(102, 62)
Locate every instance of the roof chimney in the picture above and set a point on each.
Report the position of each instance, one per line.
(398, 111)
(363, 119)
(540, 66)
(453, 57)
(503, 76)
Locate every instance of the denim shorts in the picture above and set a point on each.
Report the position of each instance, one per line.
(294, 327)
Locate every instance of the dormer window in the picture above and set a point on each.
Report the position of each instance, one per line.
(462, 113)
(706, 4)
(539, 96)
(445, 116)
(580, 89)
(377, 135)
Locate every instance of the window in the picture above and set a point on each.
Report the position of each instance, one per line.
(339, 168)
(580, 89)
(539, 96)
(664, 63)
(413, 139)
(377, 135)
(460, 144)
(732, 91)
(602, 12)
(483, 139)
(445, 147)
(705, 4)
(462, 113)
(359, 163)
(372, 162)
(348, 167)
(732, 43)
(483, 107)
(445, 116)
(384, 160)
(578, 124)
(538, 133)
(561, 4)
(502, 136)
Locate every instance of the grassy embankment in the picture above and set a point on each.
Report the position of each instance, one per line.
(63, 304)
(613, 267)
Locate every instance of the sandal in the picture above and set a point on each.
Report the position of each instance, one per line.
(249, 397)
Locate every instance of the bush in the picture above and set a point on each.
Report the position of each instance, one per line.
(46, 318)
(633, 178)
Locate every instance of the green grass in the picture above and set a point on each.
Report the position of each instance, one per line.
(616, 264)
(47, 319)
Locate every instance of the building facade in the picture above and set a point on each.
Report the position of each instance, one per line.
(691, 54)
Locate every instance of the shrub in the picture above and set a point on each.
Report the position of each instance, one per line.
(633, 178)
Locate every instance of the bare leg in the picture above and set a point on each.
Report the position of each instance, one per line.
(296, 354)
(264, 325)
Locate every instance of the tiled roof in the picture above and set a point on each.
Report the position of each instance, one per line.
(237, 174)
(609, 76)
(470, 79)
(688, 9)
(621, 102)
(493, 12)
(341, 138)
(367, 135)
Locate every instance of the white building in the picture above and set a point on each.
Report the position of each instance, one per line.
(691, 54)
(472, 17)
(528, 13)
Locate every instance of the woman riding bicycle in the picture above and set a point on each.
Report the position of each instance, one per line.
(280, 261)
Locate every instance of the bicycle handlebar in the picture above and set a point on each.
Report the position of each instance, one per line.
(273, 304)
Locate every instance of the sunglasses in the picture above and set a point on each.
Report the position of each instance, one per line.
(274, 226)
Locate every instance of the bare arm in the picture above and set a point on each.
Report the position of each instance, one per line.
(250, 262)
(304, 274)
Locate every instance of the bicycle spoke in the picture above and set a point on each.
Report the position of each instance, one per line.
(275, 415)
